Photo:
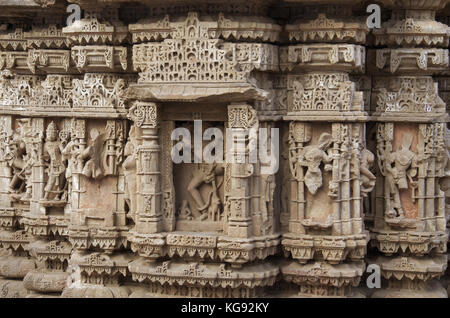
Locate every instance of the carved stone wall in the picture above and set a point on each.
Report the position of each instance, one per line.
(93, 203)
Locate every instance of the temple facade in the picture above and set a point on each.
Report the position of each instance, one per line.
(328, 122)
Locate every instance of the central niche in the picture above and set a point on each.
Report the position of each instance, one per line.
(199, 188)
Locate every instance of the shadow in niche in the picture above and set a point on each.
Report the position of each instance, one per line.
(199, 189)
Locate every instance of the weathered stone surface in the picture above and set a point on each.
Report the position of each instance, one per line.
(12, 289)
(45, 282)
(16, 267)
(96, 292)
(95, 203)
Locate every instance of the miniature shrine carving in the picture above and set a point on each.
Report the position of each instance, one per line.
(330, 140)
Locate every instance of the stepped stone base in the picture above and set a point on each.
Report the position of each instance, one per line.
(432, 290)
(96, 292)
(12, 289)
(16, 267)
(44, 281)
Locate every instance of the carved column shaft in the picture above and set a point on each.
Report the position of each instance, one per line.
(327, 118)
(38, 169)
(410, 224)
(239, 222)
(149, 214)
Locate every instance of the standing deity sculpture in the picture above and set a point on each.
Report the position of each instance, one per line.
(54, 160)
(203, 150)
(400, 166)
(268, 181)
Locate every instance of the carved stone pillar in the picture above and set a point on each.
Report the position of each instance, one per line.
(241, 117)
(7, 215)
(36, 59)
(410, 225)
(14, 260)
(95, 152)
(93, 204)
(146, 237)
(49, 56)
(218, 226)
(443, 80)
(167, 180)
(149, 214)
(328, 158)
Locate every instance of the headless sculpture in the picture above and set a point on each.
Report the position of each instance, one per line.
(311, 157)
(398, 173)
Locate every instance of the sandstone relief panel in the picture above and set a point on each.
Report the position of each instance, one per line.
(242, 149)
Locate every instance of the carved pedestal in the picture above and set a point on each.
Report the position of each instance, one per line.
(412, 152)
(15, 262)
(52, 277)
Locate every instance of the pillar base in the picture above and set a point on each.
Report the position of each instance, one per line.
(96, 292)
(12, 289)
(320, 279)
(432, 289)
(206, 280)
(46, 281)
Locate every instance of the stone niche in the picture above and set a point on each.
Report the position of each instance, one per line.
(93, 203)
(198, 187)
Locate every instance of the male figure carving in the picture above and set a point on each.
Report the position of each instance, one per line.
(55, 164)
(398, 175)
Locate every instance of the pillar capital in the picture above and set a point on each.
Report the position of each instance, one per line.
(144, 114)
